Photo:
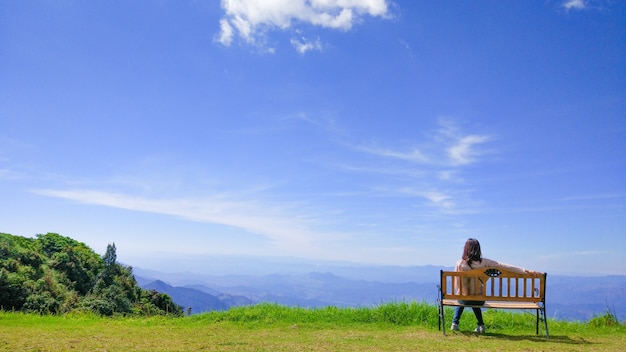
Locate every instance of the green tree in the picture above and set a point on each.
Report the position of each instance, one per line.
(79, 264)
(116, 291)
(19, 267)
(49, 295)
(110, 257)
(55, 274)
(162, 302)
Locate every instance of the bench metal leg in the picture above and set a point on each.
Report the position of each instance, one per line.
(545, 321)
(541, 315)
(537, 322)
(442, 319)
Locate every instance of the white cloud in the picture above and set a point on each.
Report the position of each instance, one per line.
(438, 159)
(284, 228)
(303, 45)
(442, 200)
(574, 4)
(250, 19)
(438, 199)
(461, 147)
(462, 152)
(446, 201)
(448, 143)
(414, 155)
(226, 33)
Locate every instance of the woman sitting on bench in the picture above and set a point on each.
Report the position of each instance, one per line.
(472, 259)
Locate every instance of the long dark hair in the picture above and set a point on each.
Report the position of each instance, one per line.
(471, 251)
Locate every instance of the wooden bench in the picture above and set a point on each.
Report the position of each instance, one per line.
(497, 287)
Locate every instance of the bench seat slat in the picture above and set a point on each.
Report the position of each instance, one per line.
(494, 298)
(495, 304)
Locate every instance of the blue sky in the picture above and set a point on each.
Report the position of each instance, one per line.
(365, 131)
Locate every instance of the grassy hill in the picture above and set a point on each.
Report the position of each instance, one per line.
(269, 327)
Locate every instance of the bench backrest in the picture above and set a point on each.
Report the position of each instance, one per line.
(493, 284)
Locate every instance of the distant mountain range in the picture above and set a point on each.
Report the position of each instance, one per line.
(568, 298)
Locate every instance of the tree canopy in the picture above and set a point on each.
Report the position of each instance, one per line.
(54, 274)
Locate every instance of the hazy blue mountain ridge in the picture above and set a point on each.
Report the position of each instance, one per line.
(568, 297)
(188, 297)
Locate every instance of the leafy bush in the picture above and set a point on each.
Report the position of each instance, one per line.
(53, 274)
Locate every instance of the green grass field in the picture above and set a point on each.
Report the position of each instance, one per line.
(269, 327)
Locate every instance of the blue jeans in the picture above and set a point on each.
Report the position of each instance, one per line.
(477, 312)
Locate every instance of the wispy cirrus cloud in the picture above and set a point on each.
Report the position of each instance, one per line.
(413, 155)
(432, 167)
(463, 152)
(302, 45)
(449, 147)
(250, 20)
(460, 148)
(574, 4)
(445, 200)
(279, 224)
(442, 200)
